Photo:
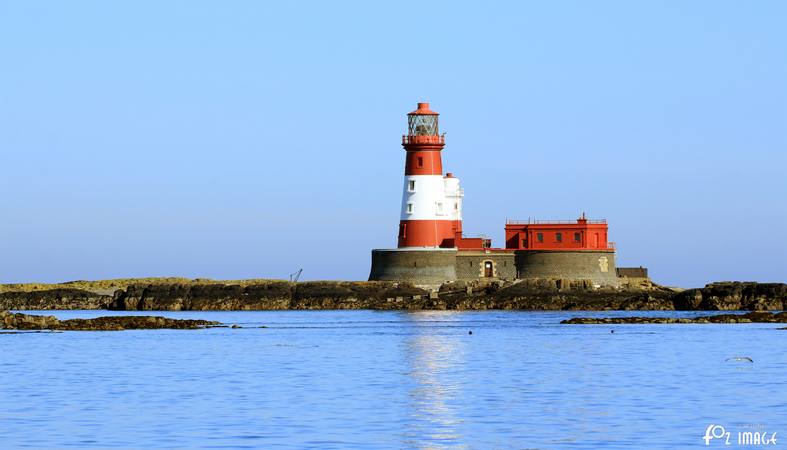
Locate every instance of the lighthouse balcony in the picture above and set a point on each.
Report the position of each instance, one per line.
(423, 139)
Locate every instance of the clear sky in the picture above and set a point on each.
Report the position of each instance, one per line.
(240, 139)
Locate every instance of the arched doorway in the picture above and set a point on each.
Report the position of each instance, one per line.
(489, 269)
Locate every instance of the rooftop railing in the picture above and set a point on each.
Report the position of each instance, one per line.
(556, 222)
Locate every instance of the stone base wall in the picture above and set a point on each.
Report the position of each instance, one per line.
(470, 265)
(431, 266)
(436, 266)
(597, 266)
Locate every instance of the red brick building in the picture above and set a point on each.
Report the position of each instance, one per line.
(582, 234)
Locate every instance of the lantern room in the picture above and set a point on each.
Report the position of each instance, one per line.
(422, 121)
(423, 128)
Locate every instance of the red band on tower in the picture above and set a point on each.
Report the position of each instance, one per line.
(431, 205)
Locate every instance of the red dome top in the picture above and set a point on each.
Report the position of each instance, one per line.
(423, 109)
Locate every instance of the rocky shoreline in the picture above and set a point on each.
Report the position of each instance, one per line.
(752, 317)
(17, 321)
(543, 294)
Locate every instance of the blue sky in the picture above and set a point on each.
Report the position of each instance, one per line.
(251, 139)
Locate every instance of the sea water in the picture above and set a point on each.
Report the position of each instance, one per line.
(366, 379)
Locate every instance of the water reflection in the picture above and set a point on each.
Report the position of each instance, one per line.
(434, 354)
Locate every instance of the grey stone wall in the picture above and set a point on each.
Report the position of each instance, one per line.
(598, 266)
(470, 265)
(439, 266)
(416, 266)
(632, 272)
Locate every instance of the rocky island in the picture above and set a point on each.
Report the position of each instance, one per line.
(176, 294)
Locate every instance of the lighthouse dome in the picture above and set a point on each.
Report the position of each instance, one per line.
(423, 109)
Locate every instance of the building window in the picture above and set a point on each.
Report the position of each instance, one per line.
(411, 185)
(420, 161)
(559, 237)
(577, 237)
(409, 208)
(540, 237)
(524, 243)
(439, 208)
(456, 206)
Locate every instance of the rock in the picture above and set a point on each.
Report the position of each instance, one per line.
(26, 322)
(61, 298)
(752, 317)
(183, 297)
(688, 300)
(32, 322)
(733, 295)
(456, 286)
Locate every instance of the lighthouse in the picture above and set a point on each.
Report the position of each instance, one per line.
(431, 248)
(431, 214)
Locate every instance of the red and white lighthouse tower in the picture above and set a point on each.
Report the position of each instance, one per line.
(431, 203)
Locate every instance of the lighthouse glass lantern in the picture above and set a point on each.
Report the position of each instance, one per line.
(422, 125)
(422, 122)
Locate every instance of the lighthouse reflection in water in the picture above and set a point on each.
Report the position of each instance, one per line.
(435, 359)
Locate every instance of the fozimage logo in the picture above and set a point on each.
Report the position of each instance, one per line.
(751, 435)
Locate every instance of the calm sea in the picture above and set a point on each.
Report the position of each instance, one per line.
(364, 379)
